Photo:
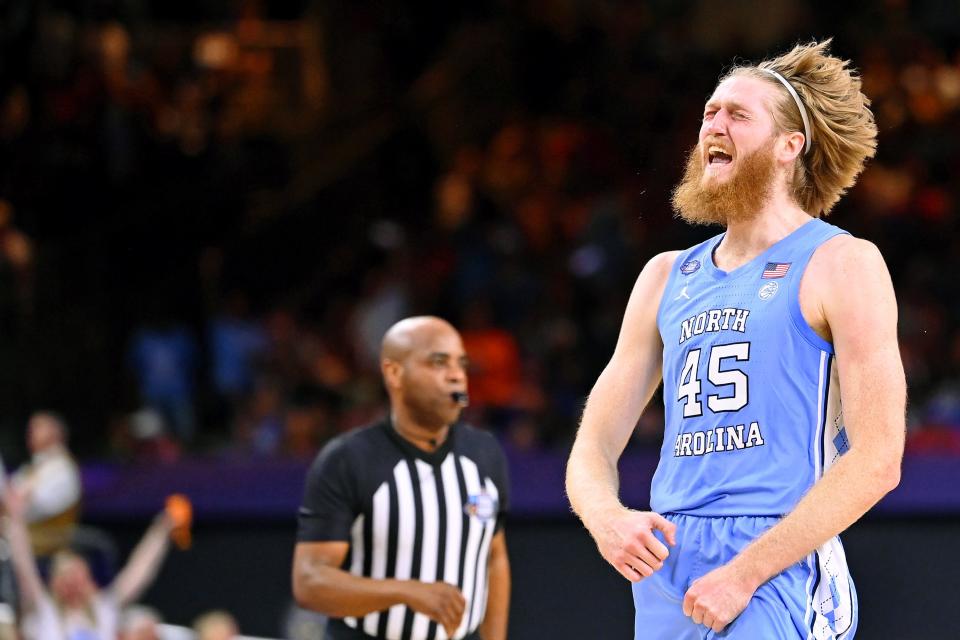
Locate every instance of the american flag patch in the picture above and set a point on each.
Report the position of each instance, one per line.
(776, 269)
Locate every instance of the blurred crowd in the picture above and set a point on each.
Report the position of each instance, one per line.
(59, 579)
(208, 221)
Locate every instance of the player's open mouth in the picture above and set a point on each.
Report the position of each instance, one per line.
(717, 156)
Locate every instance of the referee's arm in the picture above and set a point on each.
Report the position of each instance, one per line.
(319, 584)
(494, 625)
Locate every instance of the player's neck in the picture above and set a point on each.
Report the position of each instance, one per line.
(424, 437)
(746, 239)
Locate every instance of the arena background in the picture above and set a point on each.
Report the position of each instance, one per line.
(210, 212)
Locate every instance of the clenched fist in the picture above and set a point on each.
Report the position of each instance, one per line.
(439, 601)
(717, 598)
(626, 540)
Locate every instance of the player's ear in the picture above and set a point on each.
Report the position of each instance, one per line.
(789, 146)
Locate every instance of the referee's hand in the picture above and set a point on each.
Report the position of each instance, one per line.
(439, 601)
(625, 539)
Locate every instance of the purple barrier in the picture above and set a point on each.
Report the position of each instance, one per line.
(929, 485)
(218, 488)
(271, 488)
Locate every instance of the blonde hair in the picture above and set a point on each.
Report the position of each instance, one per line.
(843, 130)
(63, 559)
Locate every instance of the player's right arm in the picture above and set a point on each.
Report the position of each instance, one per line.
(624, 537)
(320, 585)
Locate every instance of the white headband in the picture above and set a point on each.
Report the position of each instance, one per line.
(807, 132)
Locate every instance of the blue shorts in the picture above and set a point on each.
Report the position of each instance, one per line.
(811, 600)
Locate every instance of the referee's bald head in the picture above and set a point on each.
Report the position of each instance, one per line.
(409, 334)
(424, 369)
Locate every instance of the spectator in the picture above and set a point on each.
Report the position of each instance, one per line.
(164, 359)
(72, 605)
(216, 625)
(259, 427)
(50, 484)
(236, 341)
(140, 623)
(494, 359)
(147, 438)
(548, 182)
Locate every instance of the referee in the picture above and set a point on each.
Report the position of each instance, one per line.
(401, 529)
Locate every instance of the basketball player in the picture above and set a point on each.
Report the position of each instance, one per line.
(756, 333)
(401, 525)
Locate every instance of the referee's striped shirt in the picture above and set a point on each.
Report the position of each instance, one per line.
(409, 515)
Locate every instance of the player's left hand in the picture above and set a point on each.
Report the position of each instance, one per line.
(717, 598)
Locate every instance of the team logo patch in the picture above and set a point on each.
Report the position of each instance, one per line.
(481, 506)
(776, 269)
(689, 267)
(769, 290)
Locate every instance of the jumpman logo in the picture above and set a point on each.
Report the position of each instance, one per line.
(683, 293)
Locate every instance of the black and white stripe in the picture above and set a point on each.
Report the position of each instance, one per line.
(419, 528)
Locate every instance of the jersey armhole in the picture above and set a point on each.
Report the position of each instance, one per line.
(796, 313)
(671, 278)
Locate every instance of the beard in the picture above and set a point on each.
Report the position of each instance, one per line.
(738, 199)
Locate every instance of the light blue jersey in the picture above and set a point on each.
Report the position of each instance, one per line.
(753, 419)
(749, 389)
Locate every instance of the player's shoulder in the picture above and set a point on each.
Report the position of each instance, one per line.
(846, 255)
(662, 263)
(847, 274)
(845, 245)
(653, 278)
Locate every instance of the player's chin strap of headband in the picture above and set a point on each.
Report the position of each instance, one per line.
(807, 131)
